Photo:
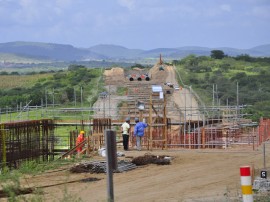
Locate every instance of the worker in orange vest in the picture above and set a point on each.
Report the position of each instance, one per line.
(80, 139)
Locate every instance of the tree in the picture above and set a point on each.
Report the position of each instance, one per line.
(14, 73)
(3, 73)
(217, 54)
(224, 67)
(244, 57)
(70, 93)
(73, 67)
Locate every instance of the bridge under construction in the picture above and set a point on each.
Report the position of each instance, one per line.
(176, 119)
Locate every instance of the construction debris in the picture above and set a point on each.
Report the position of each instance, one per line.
(100, 167)
(92, 167)
(125, 166)
(151, 159)
(261, 185)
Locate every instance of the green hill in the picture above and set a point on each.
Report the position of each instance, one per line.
(217, 80)
(67, 53)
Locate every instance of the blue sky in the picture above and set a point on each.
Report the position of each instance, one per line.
(143, 24)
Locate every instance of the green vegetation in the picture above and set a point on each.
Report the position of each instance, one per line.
(122, 90)
(140, 66)
(208, 73)
(60, 88)
(80, 86)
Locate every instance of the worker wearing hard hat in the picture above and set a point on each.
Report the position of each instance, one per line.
(125, 133)
(139, 132)
(79, 140)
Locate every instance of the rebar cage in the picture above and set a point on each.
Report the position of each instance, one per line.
(26, 140)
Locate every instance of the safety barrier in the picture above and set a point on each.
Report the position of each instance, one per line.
(246, 184)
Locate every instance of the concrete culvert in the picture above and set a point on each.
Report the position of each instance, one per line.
(130, 78)
(147, 78)
(139, 78)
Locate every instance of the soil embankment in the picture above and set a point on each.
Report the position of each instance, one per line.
(182, 99)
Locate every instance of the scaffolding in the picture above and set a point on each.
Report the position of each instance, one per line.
(197, 126)
(217, 118)
(158, 122)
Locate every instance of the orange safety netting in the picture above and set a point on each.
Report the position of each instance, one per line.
(264, 130)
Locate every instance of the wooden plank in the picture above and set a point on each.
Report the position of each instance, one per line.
(71, 151)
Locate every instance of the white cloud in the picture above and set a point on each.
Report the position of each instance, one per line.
(225, 7)
(130, 4)
(27, 13)
(262, 12)
(25, 4)
(64, 3)
(4, 1)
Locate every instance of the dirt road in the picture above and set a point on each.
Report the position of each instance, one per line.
(183, 98)
(194, 175)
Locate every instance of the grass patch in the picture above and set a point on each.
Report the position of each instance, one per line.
(16, 81)
(7, 115)
(121, 91)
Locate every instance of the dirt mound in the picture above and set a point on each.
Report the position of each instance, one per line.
(114, 76)
(158, 74)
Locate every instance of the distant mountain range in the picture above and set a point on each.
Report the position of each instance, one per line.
(62, 52)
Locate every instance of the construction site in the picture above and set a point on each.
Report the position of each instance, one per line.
(199, 138)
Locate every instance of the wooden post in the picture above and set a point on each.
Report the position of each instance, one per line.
(140, 115)
(165, 129)
(203, 138)
(88, 145)
(150, 122)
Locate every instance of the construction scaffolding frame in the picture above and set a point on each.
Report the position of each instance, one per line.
(158, 122)
(199, 126)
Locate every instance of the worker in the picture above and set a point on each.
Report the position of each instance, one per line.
(79, 140)
(139, 132)
(125, 133)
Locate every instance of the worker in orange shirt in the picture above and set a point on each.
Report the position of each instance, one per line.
(80, 139)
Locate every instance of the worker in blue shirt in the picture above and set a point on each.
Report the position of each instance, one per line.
(139, 132)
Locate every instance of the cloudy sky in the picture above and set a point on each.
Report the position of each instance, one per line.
(143, 24)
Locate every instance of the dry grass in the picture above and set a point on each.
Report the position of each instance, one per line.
(13, 81)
